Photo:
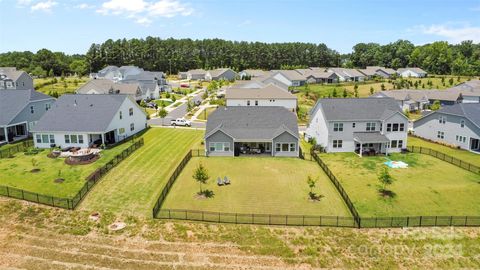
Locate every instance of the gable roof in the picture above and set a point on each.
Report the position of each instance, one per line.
(468, 88)
(471, 111)
(404, 95)
(103, 86)
(351, 109)
(219, 71)
(347, 72)
(12, 102)
(248, 84)
(254, 72)
(414, 69)
(12, 73)
(197, 72)
(81, 113)
(145, 76)
(270, 91)
(243, 123)
(320, 74)
(291, 75)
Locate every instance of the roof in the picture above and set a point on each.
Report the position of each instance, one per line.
(404, 95)
(80, 113)
(145, 76)
(368, 71)
(12, 73)
(320, 74)
(447, 95)
(104, 86)
(414, 69)
(471, 111)
(348, 109)
(217, 72)
(468, 88)
(347, 72)
(254, 72)
(291, 75)
(248, 84)
(13, 101)
(270, 91)
(197, 71)
(370, 137)
(255, 123)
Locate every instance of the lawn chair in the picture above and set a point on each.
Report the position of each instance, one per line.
(219, 181)
(226, 181)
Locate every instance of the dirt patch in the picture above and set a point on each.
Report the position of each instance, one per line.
(117, 226)
(86, 162)
(35, 171)
(200, 197)
(59, 180)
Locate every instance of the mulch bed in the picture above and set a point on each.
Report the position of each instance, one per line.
(35, 171)
(59, 180)
(86, 162)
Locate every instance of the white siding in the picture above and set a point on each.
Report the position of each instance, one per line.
(138, 119)
(290, 104)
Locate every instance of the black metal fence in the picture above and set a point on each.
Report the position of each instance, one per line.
(420, 221)
(455, 161)
(71, 203)
(19, 147)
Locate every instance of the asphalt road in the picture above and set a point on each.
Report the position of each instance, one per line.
(178, 112)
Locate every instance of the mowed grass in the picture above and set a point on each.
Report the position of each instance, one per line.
(134, 185)
(464, 155)
(16, 172)
(205, 113)
(428, 187)
(259, 185)
(61, 87)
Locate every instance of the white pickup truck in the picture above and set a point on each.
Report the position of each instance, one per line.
(180, 122)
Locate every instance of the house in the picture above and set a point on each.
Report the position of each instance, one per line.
(412, 72)
(470, 91)
(287, 77)
(445, 97)
(254, 83)
(409, 100)
(115, 73)
(457, 125)
(105, 86)
(220, 74)
(348, 74)
(196, 74)
(272, 80)
(360, 125)
(19, 112)
(319, 76)
(85, 120)
(235, 131)
(251, 73)
(182, 75)
(11, 78)
(151, 83)
(270, 95)
(372, 71)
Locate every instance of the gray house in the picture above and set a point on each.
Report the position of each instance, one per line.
(365, 126)
(456, 125)
(105, 86)
(235, 131)
(409, 100)
(220, 74)
(11, 78)
(19, 112)
(196, 74)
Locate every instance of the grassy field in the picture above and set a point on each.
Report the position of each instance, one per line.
(259, 185)
(428, 187)
(61, 87)
(135, 184)
(458, 153)
(15, 172)
(10, 145)
(165, 103)
(205, 113)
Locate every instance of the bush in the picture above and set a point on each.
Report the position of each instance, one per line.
(32, 151)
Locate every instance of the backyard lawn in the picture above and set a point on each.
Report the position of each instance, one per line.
(70, 84)
(134, 185)
(458, 153)
(205, 113)
(15, 172)
(259, 185)
(428, 186)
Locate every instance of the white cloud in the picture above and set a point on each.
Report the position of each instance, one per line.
(144, 12)
(24, 2)
(453, 34)
(84, 6)
(44, 6)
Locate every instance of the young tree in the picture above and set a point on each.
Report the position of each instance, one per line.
(312, 182)
(435, 106)
(201, 176)
(345, 94)
(371, 90)
(356, 93)
(385, 179)
(450, 81)
(382, 86)
(334, 93)
(162, 114)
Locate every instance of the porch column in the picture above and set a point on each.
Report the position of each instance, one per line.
(103, 138)
(386, 149)
(5, 133)
(361, 149)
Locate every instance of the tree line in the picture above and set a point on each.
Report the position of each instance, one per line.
(174, 55)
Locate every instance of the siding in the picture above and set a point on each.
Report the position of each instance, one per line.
(285, 138)
(219, 136)
(39, 109)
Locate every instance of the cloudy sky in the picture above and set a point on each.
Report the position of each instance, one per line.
(72, 26)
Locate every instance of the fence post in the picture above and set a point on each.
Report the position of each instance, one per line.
(451, 217)
(236, 221)
(8, 192)
(408, 221)
(421, 217)
(466, 221)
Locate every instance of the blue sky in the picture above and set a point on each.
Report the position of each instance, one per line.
(72, 26)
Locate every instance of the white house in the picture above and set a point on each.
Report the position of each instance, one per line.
(289, 77)
(270, 95)
(220, 74)
(348, 74)
(409, 100)
(85, 120)
(105, 86)
(362, 125)
(196, 74)
(414, 72)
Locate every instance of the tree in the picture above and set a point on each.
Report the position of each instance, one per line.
(356, 92)
(382, 86)
(371, 90)
(435, 106)
(334, 93)
(311, 183)
(345, 94)
(79, 67)
(162, 114)
(201, 176)
(385, 180)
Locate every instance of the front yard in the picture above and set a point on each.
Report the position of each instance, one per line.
(16, 172)
(427, 187)
(259, 185)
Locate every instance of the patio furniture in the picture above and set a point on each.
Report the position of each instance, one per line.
(226, 181)
(219, 181)
(67, 149)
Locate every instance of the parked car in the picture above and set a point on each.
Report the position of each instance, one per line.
(184, 85)
(180, 122)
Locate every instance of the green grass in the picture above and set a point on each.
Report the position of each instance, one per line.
(15, 172)
(134, 185)
(10, 145)
(259, 185)
(71, 83)
(164, 102)
(428, 187)
(455, 152)
(205, 113)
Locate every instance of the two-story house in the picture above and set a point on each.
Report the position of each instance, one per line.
(11, 78)
(360, 125)
(457, 125)
(269, 95)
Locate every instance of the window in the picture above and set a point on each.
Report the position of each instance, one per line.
(284, 147)
(395, 127)
(45, 138)
(67, 139)
(80, 138)
(402, 127)
(337, 126)
(32, 109)
(371, 126)
(460, 138)
(132, 127)
(73, 138)
(120, 115)
(293, 147)
(441, 135)
(337, 143)
(389, 127)
(48, 106)
(39, 138)
(256, 102)
(52, 139)
(462, 123)
(353, 125)
(393, 144)
(400, 143)
(277, 147)
(248, 102)
(219, 147)
(442, 119)
(130, 111)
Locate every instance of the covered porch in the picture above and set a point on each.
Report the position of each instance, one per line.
(97, 139)
(13, 133)
(370, 143)
(475, 145)
(253, 148)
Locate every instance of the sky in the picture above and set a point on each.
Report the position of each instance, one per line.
(72, 26)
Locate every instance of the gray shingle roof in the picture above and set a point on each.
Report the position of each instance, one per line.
(414, 69)
(12, 102)
(81, 113)
(370, 137)
(245, 123)
(346, 109)
(292, 75)
(270, 91)
(103, 86)
(12, 73)
(471, 111)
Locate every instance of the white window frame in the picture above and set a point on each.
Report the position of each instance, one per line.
(462, 123)
(371, 126)
(337, 144)
(223, 146)
(337, 127)
(132, 127)
(440, 135)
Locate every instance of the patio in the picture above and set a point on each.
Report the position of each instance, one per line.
(370, 143)
(13, 133)
(253, 148)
